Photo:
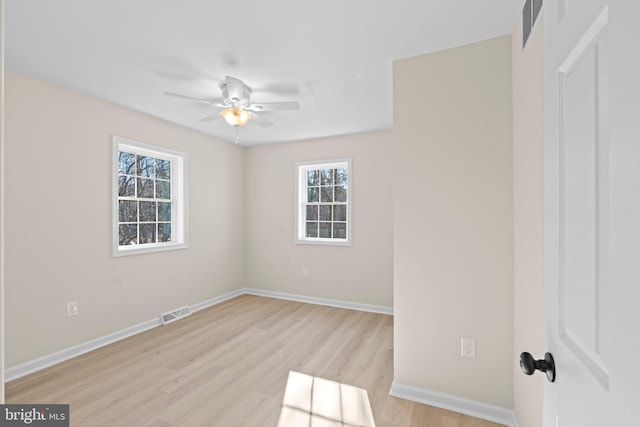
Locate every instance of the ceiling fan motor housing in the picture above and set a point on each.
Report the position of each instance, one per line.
(236, 104)
(242, 101)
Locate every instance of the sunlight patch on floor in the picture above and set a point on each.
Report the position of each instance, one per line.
(317, 402)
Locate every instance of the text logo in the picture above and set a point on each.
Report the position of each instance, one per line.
(34, 415)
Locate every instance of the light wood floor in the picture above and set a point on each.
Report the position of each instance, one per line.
(228, 366)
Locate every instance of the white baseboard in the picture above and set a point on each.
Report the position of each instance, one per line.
(321, 301)
(32, 366)
(217, 300)
(35, 365)
(449, 402)
(441, 400)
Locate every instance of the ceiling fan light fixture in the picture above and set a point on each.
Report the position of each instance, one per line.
(236, 116)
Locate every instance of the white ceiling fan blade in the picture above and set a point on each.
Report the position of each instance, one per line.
(212, 102)
(260, 121)
(235, 88)
(211, 117)
(275, 106)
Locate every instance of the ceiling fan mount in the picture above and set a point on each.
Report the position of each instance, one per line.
(236, 107)
(242, 101)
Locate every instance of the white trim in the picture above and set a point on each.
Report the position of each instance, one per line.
(321, 301)
(300, 191)
(216, 300)
(179, 196)
(449, 402)
(35, 365)
(32, 366)
(588, 40)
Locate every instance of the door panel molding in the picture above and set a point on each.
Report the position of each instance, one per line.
(583, 195)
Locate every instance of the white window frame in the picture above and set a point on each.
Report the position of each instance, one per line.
(179, 228)
(301, 169)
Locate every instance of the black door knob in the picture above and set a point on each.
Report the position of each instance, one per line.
(529, 365)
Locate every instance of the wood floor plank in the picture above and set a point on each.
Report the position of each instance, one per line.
(228, 366)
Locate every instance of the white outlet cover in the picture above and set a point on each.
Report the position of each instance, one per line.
(72, 308)
(468, 348)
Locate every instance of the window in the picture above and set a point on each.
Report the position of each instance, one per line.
(324, 202)
(149, 198)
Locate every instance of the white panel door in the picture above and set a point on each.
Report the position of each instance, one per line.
(592, 212)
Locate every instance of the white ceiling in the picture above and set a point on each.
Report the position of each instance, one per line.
(333, 57)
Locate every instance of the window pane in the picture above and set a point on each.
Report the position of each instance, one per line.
(150, 199)
(341, 176)
(145, 166)
(312, 212)
(164, 211)
(313, 178)
(312, 194)
(323, 202)
(147, 233)
(163, 190)
(325, 213)
(147, 212)
(339, 230)
(341, 193)
(163, 169)
(164, 232)
(126, 186)
(145, 188)
(326, 194)
(339, 212)
(324, 229)
(312, 229)
(326, 177)
(126, 163)
(128, 211)
(128, 234)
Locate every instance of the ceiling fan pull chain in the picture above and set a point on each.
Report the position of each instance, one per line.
(237, 137)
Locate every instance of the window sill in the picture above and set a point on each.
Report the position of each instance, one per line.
(323, 242)
(140, 250)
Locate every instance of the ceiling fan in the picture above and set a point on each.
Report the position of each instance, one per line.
(236, 105)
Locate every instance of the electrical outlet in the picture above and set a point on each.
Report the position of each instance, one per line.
(72, 308)
(468, 348)
(305, 272)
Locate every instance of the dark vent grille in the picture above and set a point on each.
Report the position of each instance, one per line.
(530, 13)
(537, 7)
(527, 22)
(172, 316)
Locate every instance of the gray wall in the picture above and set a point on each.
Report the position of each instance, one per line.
(528, 180)
(453, 221)
(361, 273)
(58, 216)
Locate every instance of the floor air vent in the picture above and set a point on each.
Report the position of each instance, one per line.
(174, 315)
